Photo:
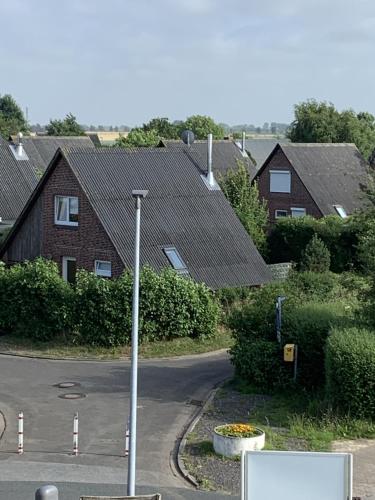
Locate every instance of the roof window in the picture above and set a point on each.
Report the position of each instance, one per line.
(341, 211)
(175, 260)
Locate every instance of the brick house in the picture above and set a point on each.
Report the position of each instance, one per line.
(312, 179)
(81, 215)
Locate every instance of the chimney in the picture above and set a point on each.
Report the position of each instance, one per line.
(19, 146)
(243, 142)
(210, 175)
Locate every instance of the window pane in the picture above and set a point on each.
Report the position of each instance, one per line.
(174, 258)
(279, 181)
(281, 213)
(73, 209)
(103, 268)
(298, 212)
(341, 211)
(62, 208)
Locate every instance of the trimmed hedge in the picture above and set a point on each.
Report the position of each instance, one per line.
(350, 371)
(37, 303)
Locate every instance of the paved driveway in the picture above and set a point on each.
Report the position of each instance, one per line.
(166, 391)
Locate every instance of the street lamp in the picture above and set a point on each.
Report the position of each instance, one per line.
(137, 195)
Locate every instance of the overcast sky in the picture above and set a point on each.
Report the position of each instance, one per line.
(239, 61)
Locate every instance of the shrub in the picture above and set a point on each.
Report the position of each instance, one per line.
(308, 326)
(315, 286)
(350, 371)
(259, 363)
(316, 256)
(35, 301)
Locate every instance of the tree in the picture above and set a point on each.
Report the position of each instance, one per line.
(202, 126)
(162, 127)
(244, 198)
(316, 256)
(67, 126)
(321, 122)
(138, 138)
(12, 119)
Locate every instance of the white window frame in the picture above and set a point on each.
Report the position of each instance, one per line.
(65, 222)
(301, 210)
(340, 211)
(65, 261)
(277, 216)
(180, 270)
(273, 188)
(99, 272)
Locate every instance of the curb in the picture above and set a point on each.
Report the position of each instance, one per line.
(176, 461)
(116, 360)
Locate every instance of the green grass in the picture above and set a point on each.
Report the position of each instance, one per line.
(300, 421)
(61, 348)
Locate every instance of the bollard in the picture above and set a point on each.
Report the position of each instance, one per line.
(48, 492)
(127, 436)
(20, 433)
(75, 435)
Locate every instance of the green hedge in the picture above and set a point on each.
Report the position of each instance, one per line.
(350, 371)
(290, 236)
(37, 303)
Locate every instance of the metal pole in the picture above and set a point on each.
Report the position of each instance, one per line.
(75, 435)
(134, 350)
(295, 363)
(48, 492)
(127, 436)
(20, 433)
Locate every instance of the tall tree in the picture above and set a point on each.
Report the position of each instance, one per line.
(202, 126)
(12, 119)
(67, 126)
(162, 127)
(245, 201)
(138, 138)
(321, 122)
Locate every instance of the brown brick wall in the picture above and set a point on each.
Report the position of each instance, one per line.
(86, 242)
(299, 197)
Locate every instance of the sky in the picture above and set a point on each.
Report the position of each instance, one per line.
(239, 61)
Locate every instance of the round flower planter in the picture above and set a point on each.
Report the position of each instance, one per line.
(232, 446)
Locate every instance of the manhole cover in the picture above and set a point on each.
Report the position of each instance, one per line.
(73, 395)
(67, 385)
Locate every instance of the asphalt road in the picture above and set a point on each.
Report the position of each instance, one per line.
(168, 393)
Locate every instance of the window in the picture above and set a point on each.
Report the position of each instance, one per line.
(175, 259)
(103, 268)
(69, 269)
(341, 211)
(279, 181)
(298, 212)
(281, 213)
(66, 210)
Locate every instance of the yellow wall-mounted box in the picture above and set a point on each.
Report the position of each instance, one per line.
(289, 352)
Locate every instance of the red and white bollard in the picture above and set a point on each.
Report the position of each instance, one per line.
(75, 435)
(127, 437)
(20, 433)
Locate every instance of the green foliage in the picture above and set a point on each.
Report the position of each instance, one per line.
(4, 233)
(138, 138)
(290, 236)
(244, 198)
(67, 126)
(321, 122)
(350, 369)
(316, 256)
(202, 126)
(35, 301)
(162, 127)
(12, 119)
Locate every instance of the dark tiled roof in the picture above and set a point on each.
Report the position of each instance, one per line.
(225, 154)
(260, 149)
(17, 181)
(179, 211)
(41, 149)
(332, 173)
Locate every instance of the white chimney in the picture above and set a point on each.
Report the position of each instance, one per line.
(19, 146)
(243, 142)
(210, 175)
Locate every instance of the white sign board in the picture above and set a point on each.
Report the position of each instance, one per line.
(288, 475)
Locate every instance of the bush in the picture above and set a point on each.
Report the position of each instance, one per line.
(35, 301)
(315, 286)
(308, 326)
(259, 363)
(350, 371)
(316, 256)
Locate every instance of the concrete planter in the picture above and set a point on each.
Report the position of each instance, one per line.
(233, 446)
